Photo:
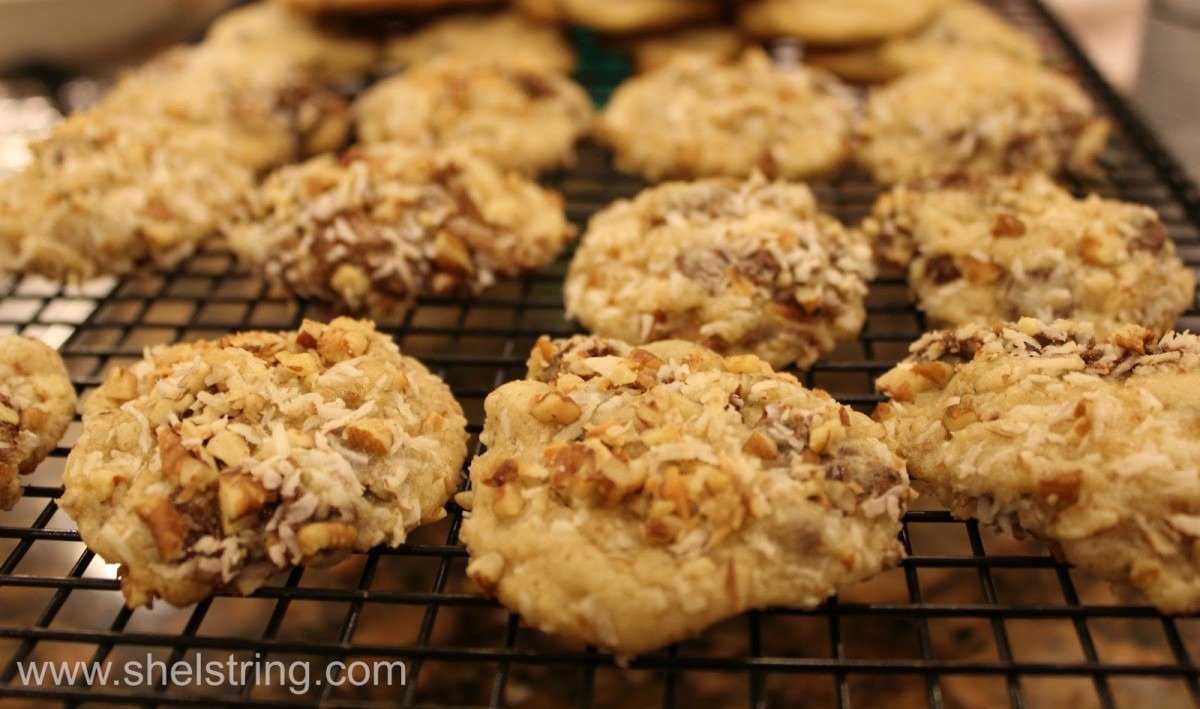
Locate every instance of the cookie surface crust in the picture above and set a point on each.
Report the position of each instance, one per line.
(210, 466)
(991, 250)
(37, 402)
(630, 497)
(740, 267)
(520, 118)
(698, 117)
(371, 230)
(1089, 444)
(979, 114)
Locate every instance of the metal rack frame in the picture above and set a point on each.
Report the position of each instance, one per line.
(413, 604)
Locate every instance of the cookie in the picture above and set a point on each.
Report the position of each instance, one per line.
(37, 402)
(960, 27)
(506, 38)
(210, 466)
(521, 118)
(983, 250)
(980, 114)
(630, 497)
(626, 16)
(836, 22)
(718, 42)
(384, 223)
(269, 112)
(1088, 443)
(108, 194)
(540, 10)
(701, 118)
(270, 32)
(368, 7)
(749, 267)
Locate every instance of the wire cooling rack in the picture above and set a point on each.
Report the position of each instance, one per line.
(970, 619)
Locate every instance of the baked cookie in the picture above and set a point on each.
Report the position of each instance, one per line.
(369, 7)
(984, 250)
(373, 229)
(210, 466)
(749, 267)
(37, 402)
(717, 42)
(269, 112)
(522, 119)
(268, 32)
(540, 10)
(1087, 443)
(506, 38)
(106, 194)
(630, 497)
(983, 114)
(837, 22)
(697, 117)
(960, 27)
(626, 16)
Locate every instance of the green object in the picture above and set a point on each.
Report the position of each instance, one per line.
(600, 68)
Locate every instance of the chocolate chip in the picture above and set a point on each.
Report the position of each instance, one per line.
(760, 267)
(1007, 225)
(535, 86)
(942, 269)
(1153, 237)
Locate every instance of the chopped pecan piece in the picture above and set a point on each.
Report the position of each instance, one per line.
(229, 448)
(1007, 225)
(552, 407)
(761, 446)
(303, 364)
(506, 471)
(121, 384)
(240, 498)
(317, 537)
(451, 254)
(167, 527)
(370, 435)
(179, 465)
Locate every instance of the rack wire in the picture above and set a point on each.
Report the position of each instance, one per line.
(970, 618)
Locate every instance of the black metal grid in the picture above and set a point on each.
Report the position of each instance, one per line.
(971, 618)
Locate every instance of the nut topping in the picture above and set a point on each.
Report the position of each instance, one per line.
(241, 498)
(229, 448)
(370, 435)
(319, 537)
(166, 525)
(553, 407)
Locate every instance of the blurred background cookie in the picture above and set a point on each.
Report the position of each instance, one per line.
(959, 27)
(272, 32)
(835, 22)
(522, 118)
(508, 38)
(718, 42)
(697, 117)
(981, 114)
(626, 16)
(367, 7)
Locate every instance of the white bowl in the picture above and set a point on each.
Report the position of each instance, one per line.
(81, 33)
